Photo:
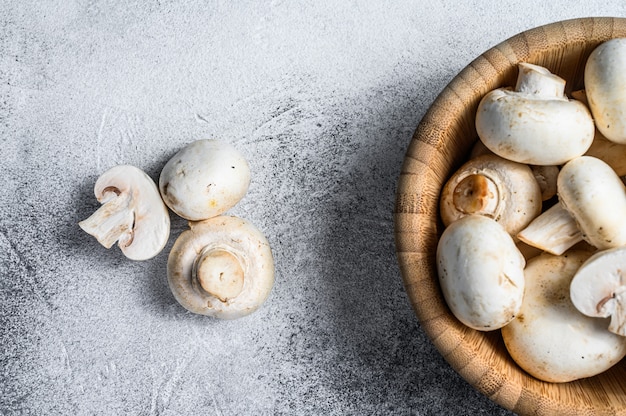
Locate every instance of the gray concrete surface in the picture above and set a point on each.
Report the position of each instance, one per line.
(322, 98)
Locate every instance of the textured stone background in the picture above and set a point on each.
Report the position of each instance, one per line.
(322, 98)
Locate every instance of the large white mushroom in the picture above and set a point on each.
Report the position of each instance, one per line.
(481, 272)
(592, 206)
(204, 179)
(550, 338)
(132, 213)
(535, 123)
(489, 185)
(221, 267)
(605, 82)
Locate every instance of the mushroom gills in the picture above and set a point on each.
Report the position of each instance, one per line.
(599, 288)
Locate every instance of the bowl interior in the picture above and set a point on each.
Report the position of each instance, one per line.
(440, 144)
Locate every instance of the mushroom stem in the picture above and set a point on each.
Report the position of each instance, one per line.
(553, 231)
(476, 194)
(618, 313)
(220, 273)
(112, 222)
(536, 80)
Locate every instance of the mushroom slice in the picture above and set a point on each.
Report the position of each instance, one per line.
(481, 272)
(204, 179)
(605, 81)
(592, 206)
(132, 213)
(494, 187)
(599, 288)
(221, 267)
(536, 123)
(550, 339)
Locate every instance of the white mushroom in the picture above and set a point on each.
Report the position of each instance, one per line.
(549, 338)
(491, 186)
(592, 206)
(204, 179)
(221, 267)
(599, 288)
(536, 123)
(132, 213)
(605, 82)
(481, 272)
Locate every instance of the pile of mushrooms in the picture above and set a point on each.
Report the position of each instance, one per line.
(223, 265)
(534, 243)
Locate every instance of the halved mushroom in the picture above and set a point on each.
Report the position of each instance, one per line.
(605, 81)
(599, 288)
(592, 206)
(221, 267)
(204, 179)
(132, 213)
(481, 272)
(536, 123)
(550, 339)
(494, 187)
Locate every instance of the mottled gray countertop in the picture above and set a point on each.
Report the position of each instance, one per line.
(322, 98)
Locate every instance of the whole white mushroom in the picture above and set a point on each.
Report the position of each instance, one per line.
(204, 179)
(550, 339)
(535, 123)
(481, 272)
(605, 81)
(221, 267)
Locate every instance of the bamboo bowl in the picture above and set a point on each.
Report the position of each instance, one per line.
(440, 144)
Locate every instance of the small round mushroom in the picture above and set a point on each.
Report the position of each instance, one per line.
(605, 82)
(549, 338)
(592, 206)
(481, 272)
(494, 187)
(221, 267)
(599, 288)
(204, 179)
(132, 213)
(536, 123)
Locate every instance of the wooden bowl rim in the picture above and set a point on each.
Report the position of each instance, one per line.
(417, 225)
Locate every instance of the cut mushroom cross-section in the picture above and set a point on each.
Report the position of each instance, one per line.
(599, 288)
(132, 213)
(221, 267)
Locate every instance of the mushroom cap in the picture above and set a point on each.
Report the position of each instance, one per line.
(598, 288)
(239, 240)
(481, 272)
(494, 187)
(596, 197)
(132, 213)
(605, 82)
(204, 179)
(534, 126)
(549, 338)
